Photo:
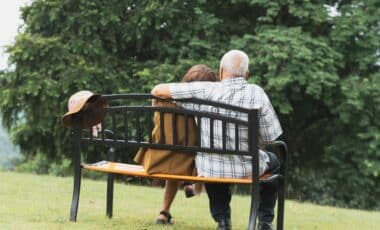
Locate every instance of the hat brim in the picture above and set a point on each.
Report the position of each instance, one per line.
(90, 109)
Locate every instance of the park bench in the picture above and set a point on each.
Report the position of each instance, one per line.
(127, 125)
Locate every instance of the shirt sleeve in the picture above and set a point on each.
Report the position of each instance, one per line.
(188, 90)
(269, 125)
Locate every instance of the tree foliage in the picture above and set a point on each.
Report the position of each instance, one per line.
(321, 72)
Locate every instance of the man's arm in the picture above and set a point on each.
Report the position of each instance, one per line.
(269, 125)
(161, 91)
(181, 90)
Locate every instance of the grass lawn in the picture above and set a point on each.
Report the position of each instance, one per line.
(43, 202)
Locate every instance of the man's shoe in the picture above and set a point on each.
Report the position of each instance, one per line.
(265, 226)
(224, 224)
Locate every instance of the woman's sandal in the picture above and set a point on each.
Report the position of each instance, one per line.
(168, 219)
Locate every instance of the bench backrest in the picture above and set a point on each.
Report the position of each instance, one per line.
(128, 122)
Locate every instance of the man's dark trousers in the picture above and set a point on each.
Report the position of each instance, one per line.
(220, 196)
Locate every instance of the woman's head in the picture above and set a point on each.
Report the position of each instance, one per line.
(199, 73)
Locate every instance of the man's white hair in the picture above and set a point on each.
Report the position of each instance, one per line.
(235, 62)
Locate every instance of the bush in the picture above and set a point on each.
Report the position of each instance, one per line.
(40, 164)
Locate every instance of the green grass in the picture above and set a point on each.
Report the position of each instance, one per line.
(43, 202)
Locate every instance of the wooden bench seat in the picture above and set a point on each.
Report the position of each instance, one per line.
(138, 171)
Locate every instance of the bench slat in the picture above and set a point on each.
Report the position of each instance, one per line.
(138, 171)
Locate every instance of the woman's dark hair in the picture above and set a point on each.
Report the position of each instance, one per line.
(199, 73)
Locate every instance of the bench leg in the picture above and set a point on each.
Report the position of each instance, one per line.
(110, 194)
(110, 180)
(77, 167)
(281, 204)
(255, 199)
(76, 192)
(281, 188)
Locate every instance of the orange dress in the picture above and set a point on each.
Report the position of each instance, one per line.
(168, 161)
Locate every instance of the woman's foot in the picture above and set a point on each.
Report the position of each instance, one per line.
(164, 218)
(189, 190)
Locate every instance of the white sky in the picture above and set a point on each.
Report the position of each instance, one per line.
(10, 21)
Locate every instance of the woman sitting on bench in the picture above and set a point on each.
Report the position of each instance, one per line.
(172, 162)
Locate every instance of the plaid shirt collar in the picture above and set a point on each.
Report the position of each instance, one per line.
(234, 80)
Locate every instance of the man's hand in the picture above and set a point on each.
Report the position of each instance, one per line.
(161, 91)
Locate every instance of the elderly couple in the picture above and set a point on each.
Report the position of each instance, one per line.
(201, 82)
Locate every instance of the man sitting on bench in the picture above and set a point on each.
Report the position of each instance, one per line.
(232, 89)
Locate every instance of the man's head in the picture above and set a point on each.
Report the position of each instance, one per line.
(234, 63)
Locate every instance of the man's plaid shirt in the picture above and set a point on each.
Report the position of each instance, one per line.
(234, 91)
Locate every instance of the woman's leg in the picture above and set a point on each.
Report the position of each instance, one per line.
(171, 188)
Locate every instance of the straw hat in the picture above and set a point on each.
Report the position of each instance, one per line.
(88, 103)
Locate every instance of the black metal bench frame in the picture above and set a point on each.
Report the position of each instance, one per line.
(83, 136)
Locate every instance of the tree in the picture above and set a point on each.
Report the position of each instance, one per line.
(320, 71)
